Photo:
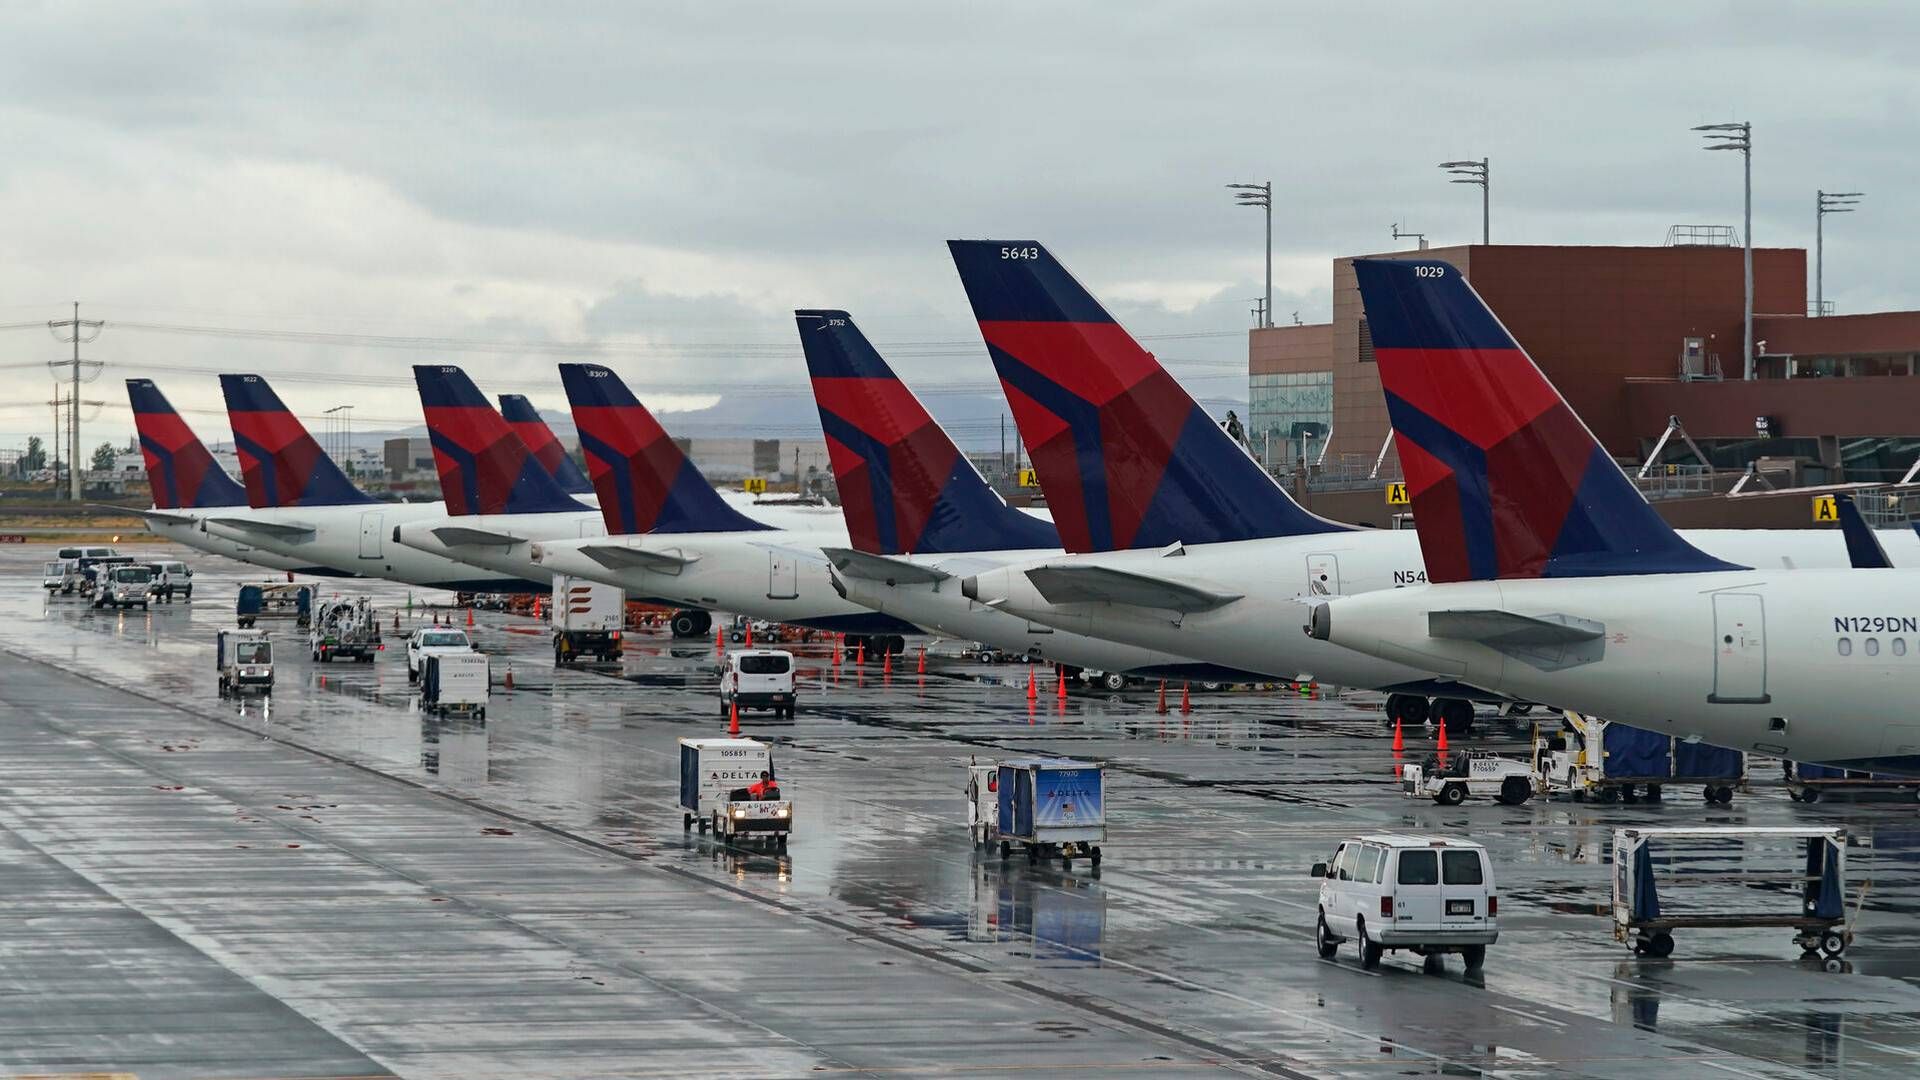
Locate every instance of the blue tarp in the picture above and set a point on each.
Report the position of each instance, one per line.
(1807, 770)
(1633, 753)
(1699, 761)
(1646, 903)
(1825, 896)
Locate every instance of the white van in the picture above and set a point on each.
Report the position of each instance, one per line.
(758, 679)
(1425, 894)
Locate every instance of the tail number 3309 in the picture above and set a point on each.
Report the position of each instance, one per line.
(1019, 252)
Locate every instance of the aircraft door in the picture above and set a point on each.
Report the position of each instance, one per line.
(783, 576)
(1740, 650)
(370, 538)
(1323, 575)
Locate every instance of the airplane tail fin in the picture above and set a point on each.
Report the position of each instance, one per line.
(1127, 458)
(484, 467)
(279, 461)
(1864, 550)
(905, 488)
(179, 469)
(526, 423)
(645, 483)
(1506, 482)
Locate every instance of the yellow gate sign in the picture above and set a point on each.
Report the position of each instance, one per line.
(1825, 509)
(1397, 493)
(1029, 478)
(754, 485)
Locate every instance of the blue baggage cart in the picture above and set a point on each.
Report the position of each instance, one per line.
(1051, 806)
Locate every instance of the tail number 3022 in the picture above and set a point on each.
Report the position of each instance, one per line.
(1430, 271)
(1019, 252)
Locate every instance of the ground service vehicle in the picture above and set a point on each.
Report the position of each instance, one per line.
(121, 586)
(344, 629)
(1425, 894)
(1051, 806)
(432, 641)
(178, 578)
(983, 801)
(244, 659)
(1464, 773)
(1592, 758)
(715, 778)
(587, 619)
(455, 682)
(54, 573)
(81, 574)
(758, 679)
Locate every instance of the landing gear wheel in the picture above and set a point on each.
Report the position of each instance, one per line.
(1457, 714)
(1414, 710)
(1323, 940)
(1452, 794)
(1515, 790)
(1474, 955)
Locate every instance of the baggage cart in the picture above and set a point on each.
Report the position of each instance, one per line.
(715, 778)
(455, 682)
(1808, 782)
(1051, 806)
(274, 598)
(1593, 758)
(983, 801)
(1815, 864)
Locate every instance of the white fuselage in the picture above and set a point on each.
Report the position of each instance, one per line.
(1278, 580)
(938, 606)
(774, 574)
(1813, 665)
(189, 532)
(356, 539)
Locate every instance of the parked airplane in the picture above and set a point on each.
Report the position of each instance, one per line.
(526, 423)
(671, 535)
(188, 484)
(920, 518)
(1182, 542)
(303, 506)
(1554, 581)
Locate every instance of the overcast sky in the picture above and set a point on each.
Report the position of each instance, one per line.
(676, 178)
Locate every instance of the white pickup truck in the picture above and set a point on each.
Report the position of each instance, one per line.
(430, 640)
(122, 586)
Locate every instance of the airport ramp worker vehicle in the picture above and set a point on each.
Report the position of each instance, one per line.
(122, 586)
(587, 618)
(345, 629)
(717, 782)
(983, 801)
(1813, 861)
(54, 574)
(455, 682)
(1051, 806)
(1463, 773)
(1594, 758)
(1426, 894)
(758, 679)
(432, 641)
(244, 660)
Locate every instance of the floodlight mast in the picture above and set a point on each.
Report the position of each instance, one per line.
(1826, 202)
(1739, 136)
(1260, 195)
(1475, 172)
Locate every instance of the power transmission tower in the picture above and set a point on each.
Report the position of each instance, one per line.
(76, 331)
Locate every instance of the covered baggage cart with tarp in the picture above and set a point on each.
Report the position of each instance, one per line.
(1051, 806)
(274, 598)
(1809, 782)
(1591, 757)
(1667, 879)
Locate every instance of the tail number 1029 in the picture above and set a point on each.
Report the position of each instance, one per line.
(1430, 271)
(1019, 252)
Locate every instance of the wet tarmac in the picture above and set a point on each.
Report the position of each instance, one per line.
(330, 883)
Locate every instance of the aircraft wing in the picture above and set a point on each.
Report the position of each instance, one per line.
(462, 536)
(1104, 585)
(621, 557)
(1507, 628)
(285, 530)
(150, 515)
(860, 564)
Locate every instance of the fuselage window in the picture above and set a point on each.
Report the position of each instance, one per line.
(1899, 646)
(1846, 646)
(1873, 646)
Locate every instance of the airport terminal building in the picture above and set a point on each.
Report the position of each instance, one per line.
(1632, 336)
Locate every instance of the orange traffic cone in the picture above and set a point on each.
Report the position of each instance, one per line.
(1162, 707)
(733, 717)
(509, 676)
(860, 653)
(749, 641)
(1186, 703)
(1442, 744)
(1399, 739)
(1060, 682)
(923, 661)
(1033, 690)
(536, 605)
(838, 641)
(886, 663)
(469, 616)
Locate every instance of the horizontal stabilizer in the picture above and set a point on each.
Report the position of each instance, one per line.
(161, 516)
(620, 557)
(462, 536)
(1498, 629)
(859, 564)
(285, 530)
(1103, 585)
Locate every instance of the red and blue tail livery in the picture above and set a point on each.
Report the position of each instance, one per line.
(179, 469)
(526, 423)
(279, 461)
(905, 488)
(1126, 457)
(1505, 481)
(645, 483)
(484, 467)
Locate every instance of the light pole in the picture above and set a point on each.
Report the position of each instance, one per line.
(1475, 172)
(1739, 136)
(1261, 195)
(1826, 202)
(340, 418)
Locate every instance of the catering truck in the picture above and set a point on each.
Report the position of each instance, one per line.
(587, 619)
